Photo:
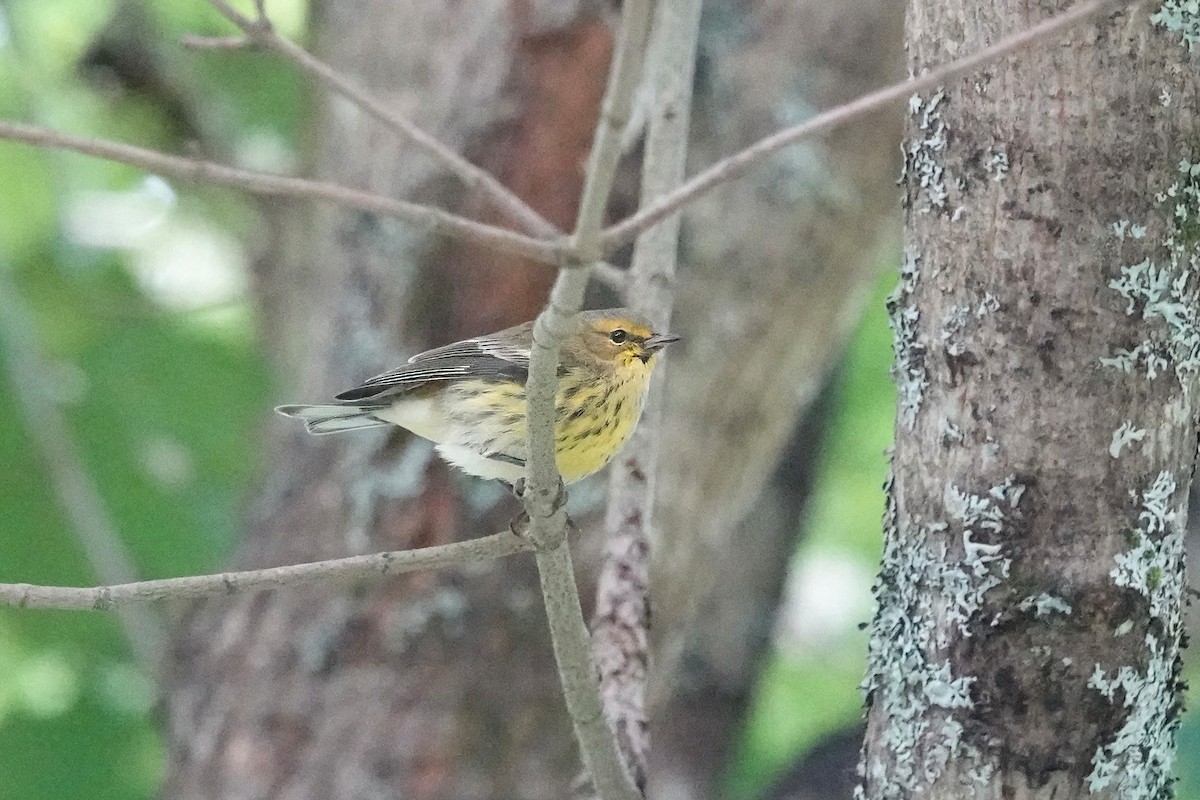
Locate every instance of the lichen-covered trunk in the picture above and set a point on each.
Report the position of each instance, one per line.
(436, 685)
(1047, 327)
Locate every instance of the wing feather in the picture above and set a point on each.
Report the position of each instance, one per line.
(485, 357)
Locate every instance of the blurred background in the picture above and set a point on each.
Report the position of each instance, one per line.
(136, 378)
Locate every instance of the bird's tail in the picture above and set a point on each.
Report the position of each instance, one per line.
(335, 418)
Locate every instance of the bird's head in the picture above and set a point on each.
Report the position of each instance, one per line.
(618, 337)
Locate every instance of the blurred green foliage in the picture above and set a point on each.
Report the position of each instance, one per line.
(163, 400)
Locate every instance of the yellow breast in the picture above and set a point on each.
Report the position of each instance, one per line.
(473, 421)
(596, 417)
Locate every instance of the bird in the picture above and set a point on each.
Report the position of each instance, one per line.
(468, 397)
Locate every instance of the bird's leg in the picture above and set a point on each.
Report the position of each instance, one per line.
(520, 523)
(517, 488)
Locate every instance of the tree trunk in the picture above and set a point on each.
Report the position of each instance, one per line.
(776, 271)
(1047, 352)
(437, 685)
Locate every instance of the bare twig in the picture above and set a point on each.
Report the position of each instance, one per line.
(548, 521)
(316, 573)
(77, 493)
(737, 165)
(263, 183)
(622, 616)
(513, 207)
(197, 42)
(610, 275)
(555, 252)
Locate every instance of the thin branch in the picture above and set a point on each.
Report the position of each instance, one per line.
(610, 275)
(196, 42)
(547, 519)
(622, 617)
(316, 573)
(77, 493)
(264, 183)
(513, 207)
(737, 165)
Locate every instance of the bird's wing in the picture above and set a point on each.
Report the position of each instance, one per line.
(485, 357)
(481, 346)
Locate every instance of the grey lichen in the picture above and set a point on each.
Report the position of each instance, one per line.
(1154, 566)
(1045, 604)
(375, 480)
(1166, 288)
(950, 433)
(1124, 435)
(908, 371)
(987, 305)
(927, 595)
(1138, 759)
(953, 323)
(445, 609)
(997, 162)
(1181, 17)
(926, 149)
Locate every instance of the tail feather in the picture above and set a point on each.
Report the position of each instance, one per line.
(320, 420)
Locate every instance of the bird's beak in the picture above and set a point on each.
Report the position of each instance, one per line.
(658, 341)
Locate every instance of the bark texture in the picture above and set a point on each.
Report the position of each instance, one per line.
(438, 685)
(775, 270)
(1047, 352)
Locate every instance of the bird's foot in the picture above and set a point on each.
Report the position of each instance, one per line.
(517, 488)
(520, 524)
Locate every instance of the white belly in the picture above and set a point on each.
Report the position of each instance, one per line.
(417, 414)
(473, 463)
(420, 415)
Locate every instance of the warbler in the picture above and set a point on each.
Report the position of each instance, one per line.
(469, 397)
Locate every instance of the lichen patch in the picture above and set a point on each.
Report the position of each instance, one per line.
(928, 594)
(908, 371)
(1181, 17)
(1138, 759)
(924, 164)
(1124, 435)
(1164, 288)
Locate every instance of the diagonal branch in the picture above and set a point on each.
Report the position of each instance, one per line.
(315, 573)
(77, 493)
(265, 183)
(557, 251)
(516, 210)
(739, 164)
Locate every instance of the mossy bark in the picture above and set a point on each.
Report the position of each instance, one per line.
(1027, 640)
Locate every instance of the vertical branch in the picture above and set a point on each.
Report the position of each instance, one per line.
(547, 519)
(76, 491)
(622, 615)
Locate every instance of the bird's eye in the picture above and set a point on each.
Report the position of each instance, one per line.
(618, 336)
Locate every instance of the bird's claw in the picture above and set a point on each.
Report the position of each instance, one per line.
(520, 524)
(517, 488)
